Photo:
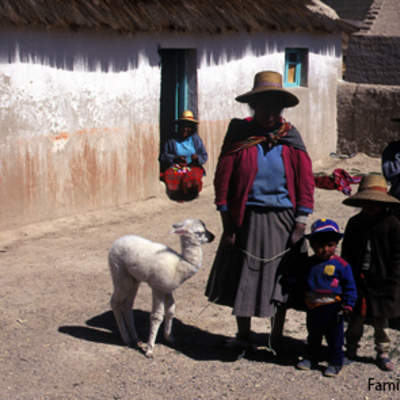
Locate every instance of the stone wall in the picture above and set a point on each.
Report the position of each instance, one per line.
(373, 59)
(364, 113)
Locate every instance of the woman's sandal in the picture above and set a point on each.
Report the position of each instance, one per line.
(244, 342)
(385, 363)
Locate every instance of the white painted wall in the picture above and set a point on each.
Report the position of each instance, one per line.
(79, 112)
(315, 116)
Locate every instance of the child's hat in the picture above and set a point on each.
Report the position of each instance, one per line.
(187, 116)
(325, 225)
(372, 189)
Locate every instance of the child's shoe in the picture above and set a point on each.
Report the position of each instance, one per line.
(332, 371)
(305, 364)
(347, 360)
(384, 362)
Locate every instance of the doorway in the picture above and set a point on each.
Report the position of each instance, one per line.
(178, 88)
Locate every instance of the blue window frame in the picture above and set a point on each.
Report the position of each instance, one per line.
(295, 67)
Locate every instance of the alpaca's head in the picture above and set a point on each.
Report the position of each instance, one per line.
(194, 231)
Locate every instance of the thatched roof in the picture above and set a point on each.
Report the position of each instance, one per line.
(200, 16)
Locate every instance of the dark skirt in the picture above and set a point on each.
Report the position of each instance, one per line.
(238, 279)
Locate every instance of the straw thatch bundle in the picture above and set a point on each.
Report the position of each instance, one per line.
(200, 16)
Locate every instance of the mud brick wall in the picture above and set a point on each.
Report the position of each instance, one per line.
(364, 113)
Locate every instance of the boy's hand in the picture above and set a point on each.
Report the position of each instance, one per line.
(298, 232)
(347, 310)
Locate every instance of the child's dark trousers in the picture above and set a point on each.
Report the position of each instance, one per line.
(326, 321)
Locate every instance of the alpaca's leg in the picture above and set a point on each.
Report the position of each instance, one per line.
(128, 312)
(125, 288)
(156, 317)
(169, 316)
(117, 305)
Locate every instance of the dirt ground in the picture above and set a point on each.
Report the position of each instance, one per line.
(59, 341)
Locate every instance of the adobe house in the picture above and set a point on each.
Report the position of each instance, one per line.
(374, 52)
(371, 95)
(88, 90)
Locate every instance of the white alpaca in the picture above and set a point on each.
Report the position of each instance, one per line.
(134, 259)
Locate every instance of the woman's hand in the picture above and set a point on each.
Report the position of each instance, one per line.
(180, 160)
(195, 158)
(228, 239)
(298, 232)
(228, 235)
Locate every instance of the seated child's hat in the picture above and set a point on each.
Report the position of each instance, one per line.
(372, 189)
(325, 225)
(187, 116)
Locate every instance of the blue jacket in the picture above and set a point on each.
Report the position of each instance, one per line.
(330, 281)
(169, 151)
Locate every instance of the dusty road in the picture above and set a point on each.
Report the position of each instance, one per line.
(59, 341)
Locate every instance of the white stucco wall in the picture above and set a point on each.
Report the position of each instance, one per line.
(79, 112)
(79, 123)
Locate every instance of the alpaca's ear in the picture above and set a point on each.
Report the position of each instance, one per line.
(179, 229)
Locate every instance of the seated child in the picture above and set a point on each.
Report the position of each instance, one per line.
(371, 244)
(330, 293)
(182, 160)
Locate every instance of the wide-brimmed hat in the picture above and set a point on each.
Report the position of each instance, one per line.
(269, 82)
(186, 116)
(372, 189)
(325, 226)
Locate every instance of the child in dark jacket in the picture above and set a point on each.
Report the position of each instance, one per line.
(330, 293)
(372, 246)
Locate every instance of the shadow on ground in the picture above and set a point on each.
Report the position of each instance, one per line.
(191, 341)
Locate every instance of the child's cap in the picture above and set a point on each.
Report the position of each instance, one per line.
(325, 225)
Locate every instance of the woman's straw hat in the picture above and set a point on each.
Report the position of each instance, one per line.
(187, 116)
(373, 188)
(269, 82)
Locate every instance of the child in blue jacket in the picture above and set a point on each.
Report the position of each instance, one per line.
(330, 292)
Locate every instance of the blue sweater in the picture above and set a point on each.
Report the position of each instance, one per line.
(269, 186)
(330, 281)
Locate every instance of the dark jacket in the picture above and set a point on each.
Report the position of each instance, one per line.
(380, 283)
(391, 167)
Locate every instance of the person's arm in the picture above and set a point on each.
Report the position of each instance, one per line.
(304, 187)
(349, 288)
(222, 179)
(169, 153)
(391, 161)
(393, 271)
(201, 155)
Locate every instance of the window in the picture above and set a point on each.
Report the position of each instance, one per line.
(296, 67)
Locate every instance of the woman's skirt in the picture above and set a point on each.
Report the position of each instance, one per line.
(250, 277)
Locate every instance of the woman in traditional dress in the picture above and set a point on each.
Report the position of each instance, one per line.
(264, 189)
